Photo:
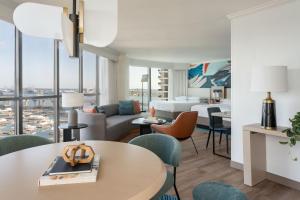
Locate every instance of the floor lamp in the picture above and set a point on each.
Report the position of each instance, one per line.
(143, 80)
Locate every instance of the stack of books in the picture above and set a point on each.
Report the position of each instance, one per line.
(60, 172)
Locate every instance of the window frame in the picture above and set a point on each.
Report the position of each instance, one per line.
(18, 97)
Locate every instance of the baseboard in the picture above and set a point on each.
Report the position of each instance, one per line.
(283, 181)
(236, 165)
(272, 177)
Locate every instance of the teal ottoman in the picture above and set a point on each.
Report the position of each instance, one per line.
(217, 191)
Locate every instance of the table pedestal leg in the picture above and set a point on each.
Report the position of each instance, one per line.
(67, 133)
(145, 129)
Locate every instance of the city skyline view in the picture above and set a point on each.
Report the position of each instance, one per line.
(38, 115)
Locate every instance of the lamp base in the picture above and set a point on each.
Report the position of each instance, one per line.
(268, 120)
(72, 118)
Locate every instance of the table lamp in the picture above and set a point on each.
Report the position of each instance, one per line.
(269, 79)
(72, 100)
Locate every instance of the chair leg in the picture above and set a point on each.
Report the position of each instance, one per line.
(175, 188)
(194, 144)
(227, 149)
(220, 137)
(208, 138)
(176, 191)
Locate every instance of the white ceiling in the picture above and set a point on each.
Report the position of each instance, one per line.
(169, 30)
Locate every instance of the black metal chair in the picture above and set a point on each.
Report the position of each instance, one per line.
(216, 124)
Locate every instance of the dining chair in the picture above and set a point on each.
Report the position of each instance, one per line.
(182, 128)
(14, 143)
(169, 150)
(217, 191)
(216, 124)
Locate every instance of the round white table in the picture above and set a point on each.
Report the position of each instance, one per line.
(126, 172)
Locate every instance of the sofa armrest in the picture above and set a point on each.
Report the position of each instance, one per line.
(96, 129)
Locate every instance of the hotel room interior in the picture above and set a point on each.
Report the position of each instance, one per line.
(140, 99)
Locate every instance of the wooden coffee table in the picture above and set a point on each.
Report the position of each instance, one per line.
(145, 127)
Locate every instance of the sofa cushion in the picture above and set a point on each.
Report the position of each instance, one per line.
(119, 119)
(126, 108)
(137, 107)
(119, 125)
(89, 109)
(109, 110)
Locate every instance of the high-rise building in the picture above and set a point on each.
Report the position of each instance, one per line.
(163, 83)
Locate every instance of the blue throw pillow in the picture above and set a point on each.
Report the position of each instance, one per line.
(126, 108)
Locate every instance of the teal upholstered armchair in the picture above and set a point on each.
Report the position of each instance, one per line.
(11, 144)
(169, 150)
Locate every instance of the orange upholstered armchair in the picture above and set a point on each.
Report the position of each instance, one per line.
(182, 128)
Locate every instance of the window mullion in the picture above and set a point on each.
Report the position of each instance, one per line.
(97, 81)
(56, 90)
(18, 83)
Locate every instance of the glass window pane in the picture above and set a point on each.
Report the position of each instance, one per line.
(7, 59)
(7, 118)
(90, 100)
(159, 84)
(68, 71)
(89, 73)
(38, 66)
(138, 85)
(38, 117)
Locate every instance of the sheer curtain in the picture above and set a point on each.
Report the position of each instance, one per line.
(107, 81)
(179, 83)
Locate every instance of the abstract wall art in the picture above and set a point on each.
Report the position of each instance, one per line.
(206, 75)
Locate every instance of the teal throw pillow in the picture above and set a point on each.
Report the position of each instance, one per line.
(126, 108)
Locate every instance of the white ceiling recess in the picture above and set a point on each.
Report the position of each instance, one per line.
(177, 31)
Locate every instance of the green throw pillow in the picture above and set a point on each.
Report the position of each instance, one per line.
(126, 108)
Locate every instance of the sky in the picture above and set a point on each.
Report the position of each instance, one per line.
(38, 63)
(38, 71)
(135, 77)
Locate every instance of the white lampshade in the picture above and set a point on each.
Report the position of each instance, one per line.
(100, 22)
(269, 79)
(39, 20)
(72, 100)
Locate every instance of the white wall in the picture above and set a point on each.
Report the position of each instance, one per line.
(205, 92)
(267, 37)
(123, 77)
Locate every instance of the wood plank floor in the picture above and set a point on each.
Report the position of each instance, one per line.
(195, 169)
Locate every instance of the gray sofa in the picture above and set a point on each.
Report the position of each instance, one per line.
(107, 125)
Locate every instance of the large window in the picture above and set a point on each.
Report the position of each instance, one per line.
(68, 71)
(68, 77)
(38, 117)
(7, 116)
(89, 77)
(138, 85)
(7, 88)
(139, 80)
(34, 73)
(7, 59)
(38, 66)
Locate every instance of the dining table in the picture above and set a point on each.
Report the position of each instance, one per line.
(126, 172)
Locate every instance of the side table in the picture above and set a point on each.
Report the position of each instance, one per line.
(67, 131)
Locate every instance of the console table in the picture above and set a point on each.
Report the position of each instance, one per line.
(254, 146)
